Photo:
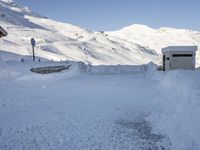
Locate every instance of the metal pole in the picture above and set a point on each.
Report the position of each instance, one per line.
(0, 43)
(33, 53)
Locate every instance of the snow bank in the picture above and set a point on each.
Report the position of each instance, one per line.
(20, 71)
(11, 68)
(151, 68)
(182, 79)
(117, 69)
(73, 71)
(6, 56)
(177, 111)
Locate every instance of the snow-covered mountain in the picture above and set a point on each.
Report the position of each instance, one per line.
(136, 44)
(158, 38)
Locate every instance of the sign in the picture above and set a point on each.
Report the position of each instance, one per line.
(33, 42)
(33, 46)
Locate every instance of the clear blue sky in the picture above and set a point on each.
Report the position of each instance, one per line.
(115, 14)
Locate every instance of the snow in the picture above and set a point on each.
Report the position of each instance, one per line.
(177, 113)
(157, 39)
(116, 69)
(62, 41)
(111, 97)
(55, 112)
(179, 48)
(97, 107)
(7, 1)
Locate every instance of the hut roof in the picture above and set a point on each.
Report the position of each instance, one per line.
(179, 48)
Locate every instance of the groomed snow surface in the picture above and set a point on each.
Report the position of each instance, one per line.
(83, 109)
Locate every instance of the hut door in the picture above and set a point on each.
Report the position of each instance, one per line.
(163, 62)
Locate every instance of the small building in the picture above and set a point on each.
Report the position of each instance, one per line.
(2, 32)
(179, 57)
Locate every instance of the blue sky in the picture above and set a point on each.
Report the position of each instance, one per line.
(115, 14)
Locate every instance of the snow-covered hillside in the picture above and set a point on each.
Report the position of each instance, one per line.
(58, 41)
(158, 38)
(61, 41)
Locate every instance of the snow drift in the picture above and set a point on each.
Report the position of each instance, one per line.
(177, 111)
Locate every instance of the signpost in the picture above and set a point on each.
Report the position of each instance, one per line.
(0, 43)
(33, 47)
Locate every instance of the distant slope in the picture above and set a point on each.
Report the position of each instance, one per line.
(158, 38)
(62, 41)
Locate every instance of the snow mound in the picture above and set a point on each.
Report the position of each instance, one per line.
(151, 68)
(177, 112)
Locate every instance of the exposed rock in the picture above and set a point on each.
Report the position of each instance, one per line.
(51, 69)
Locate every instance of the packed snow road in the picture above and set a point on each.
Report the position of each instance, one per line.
(101, 112)
(88, 112)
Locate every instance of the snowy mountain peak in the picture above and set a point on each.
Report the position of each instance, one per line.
(138, 27)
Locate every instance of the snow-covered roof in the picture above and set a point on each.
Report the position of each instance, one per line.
(179, 48)
(2, 32)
